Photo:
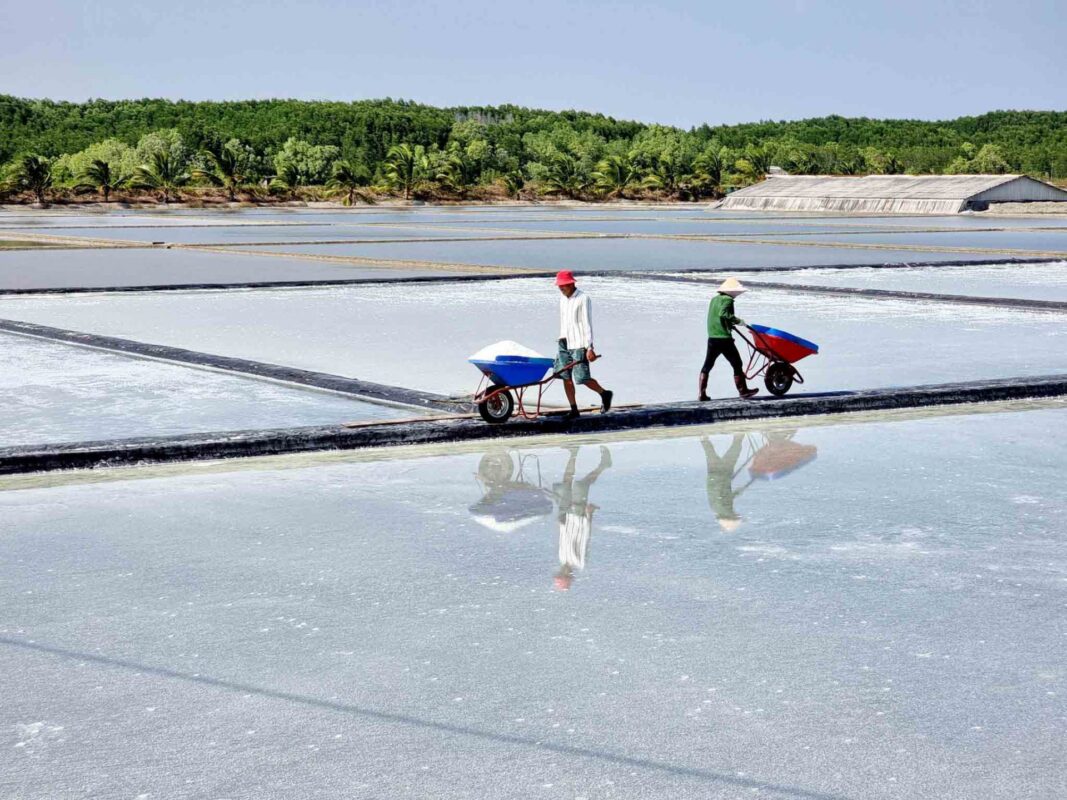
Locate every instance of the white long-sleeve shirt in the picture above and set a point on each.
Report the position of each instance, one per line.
(576, 320)
(574, 534)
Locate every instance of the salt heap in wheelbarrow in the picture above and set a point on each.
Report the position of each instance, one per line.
(511, 364)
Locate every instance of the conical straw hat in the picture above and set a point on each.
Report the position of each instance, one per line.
(732, 287)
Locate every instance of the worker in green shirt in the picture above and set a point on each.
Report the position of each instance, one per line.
(721, 321)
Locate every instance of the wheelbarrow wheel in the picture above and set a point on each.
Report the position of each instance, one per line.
(498, 408)
(779, 378)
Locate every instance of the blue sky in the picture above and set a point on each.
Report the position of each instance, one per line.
(682, 62)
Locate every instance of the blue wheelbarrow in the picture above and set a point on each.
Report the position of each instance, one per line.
(505, 380)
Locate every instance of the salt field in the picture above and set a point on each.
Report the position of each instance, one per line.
(1030, 281)
(876, 608)
(59, 393)
(652, 333)
(822, 607)
(104, 268)
(615, 254)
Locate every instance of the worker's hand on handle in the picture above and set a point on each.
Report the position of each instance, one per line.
(590, 355)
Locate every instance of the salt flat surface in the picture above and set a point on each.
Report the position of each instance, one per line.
(1028, 281)
(1040, 240)
(246, 233)
(52, 392)
(652, 333)
(884, 621)
(619, 254)
(60, 269)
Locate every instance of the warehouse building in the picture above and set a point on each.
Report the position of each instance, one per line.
(901, 194)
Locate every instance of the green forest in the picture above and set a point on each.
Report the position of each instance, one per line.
(362, 151)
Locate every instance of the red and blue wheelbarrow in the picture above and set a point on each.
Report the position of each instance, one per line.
(505, 381)
(773, 354)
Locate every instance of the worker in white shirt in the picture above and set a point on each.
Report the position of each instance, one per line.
(575, 516)
(576, 343)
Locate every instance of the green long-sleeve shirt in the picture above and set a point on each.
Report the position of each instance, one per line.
(721, 317)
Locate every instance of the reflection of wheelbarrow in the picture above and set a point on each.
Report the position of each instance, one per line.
(506, 374)
(781, 456)
(772, 355)
(511, 500)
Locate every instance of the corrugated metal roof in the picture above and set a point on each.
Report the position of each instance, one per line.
(912, 194)
(876, 187)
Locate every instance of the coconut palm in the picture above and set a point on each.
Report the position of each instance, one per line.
(457, 171)
(514, 182)
(100, 175)
(709, 173)
(666, 174)
(289, 178)
(163, 172)
(405, 166)
(351, 180)
(891, 165)
(34, 174)
(615, 174)
(225, 168)
(564, 175)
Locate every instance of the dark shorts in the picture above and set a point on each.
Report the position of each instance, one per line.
(725, 348)
(579, 373)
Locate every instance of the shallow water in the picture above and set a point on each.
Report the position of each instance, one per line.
(52, 392)
(618, 254)
(64, 269)
(248, 233)
(1027, 281)
(1037, 240)
(651, 333)
(890, 603)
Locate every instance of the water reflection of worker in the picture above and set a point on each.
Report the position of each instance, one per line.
(778, 456)
(722, 470)
(575, 515)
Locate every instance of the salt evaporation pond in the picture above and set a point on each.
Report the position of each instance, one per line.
(103, 268)
(652, 333)
(52, 392)
(1026, 281)
(618, 254)
(1024, 240)
(884, 621)
(247, 233)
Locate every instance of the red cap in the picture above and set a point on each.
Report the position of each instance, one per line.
(564, 277)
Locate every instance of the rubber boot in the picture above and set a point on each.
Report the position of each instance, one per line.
(742, 387)
(702, 388)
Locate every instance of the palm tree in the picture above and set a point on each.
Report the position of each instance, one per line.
(405, 166)
(615, 174)
(666, 174)
(565, 175)
(163, 172)
(759, 158)
(514, 182)
(34, 173)
(892, 165)
(289, 177)
(351, 180)
(225, 169)
(458, 171)
(710, 172)
(100, 175)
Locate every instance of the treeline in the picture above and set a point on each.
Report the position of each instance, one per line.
(364, 150)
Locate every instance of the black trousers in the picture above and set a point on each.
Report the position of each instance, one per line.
(724, 347)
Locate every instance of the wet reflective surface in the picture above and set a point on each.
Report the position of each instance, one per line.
(652, 333)
(1028, 281)
(618, 254)
(50, 269)
(888, 600)
(52, 392)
